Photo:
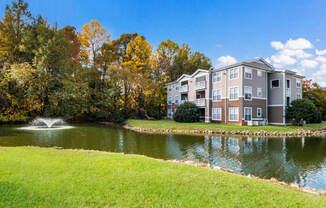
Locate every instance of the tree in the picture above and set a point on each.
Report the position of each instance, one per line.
(91, 37)
(11, 28)
(316, 94)
(303, 109)
(187, 113)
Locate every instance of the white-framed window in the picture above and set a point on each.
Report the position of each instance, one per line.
(275, 83)
(259, 92)
(259, 73)
(247, 73)
(234, 73)
(176, 99)
(298, 95)
(233, 113)
(234, 93)
(170, 113)
(177, 87)
(217, 95)
(169, 88)
(216, 77)
(247, 93)
(259, 112)
(170, 100)
(217, 114)
(247, 113)
(298, 83)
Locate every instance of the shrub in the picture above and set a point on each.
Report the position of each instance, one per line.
(187, 113)
(303, 109)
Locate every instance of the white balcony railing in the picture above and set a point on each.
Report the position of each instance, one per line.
(200, 85)
(200, 102)
(288, 92)
(183, 88)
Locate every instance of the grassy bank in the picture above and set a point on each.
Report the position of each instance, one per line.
(169, 124)
(38, 177)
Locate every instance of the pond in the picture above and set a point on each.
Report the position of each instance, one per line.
(296, 160)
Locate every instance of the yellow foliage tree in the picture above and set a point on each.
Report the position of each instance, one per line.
(91, 37)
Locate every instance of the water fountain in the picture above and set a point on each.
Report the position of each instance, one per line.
(47, 124)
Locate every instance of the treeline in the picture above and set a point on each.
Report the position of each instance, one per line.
(84, 75)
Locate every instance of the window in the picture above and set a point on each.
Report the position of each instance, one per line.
(247, 93)
(298, 83)
(259, 73)
(216, 77)
(275, 83)
(233, 114)
(288, 85)
(176, 99)
(169, 100)
(170, 113)
(217, 114)
(169, 88)
(234, 73)
(177, 87)
(234, 91)
(259, 112)
(259, 92)
(248, 73)
(247, 113)
(217, 95)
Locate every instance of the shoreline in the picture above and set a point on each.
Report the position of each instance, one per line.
(301, 133)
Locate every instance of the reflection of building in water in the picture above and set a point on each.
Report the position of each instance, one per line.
(288, 159)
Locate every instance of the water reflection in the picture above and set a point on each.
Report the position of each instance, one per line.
(299, 160)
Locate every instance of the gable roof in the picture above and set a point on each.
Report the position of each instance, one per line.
(256, 63)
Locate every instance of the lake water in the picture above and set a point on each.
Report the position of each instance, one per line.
(297, 160)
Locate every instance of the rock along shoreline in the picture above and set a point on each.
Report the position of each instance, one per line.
(315, 132)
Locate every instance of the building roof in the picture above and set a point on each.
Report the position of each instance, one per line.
(256, 63)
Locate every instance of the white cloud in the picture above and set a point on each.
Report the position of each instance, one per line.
(299, 43)
(277, 45)
(321, 59)
(225, 61)
(280, 60)
(289, 52)
(320, 76)
(308, 63)
(320, 52)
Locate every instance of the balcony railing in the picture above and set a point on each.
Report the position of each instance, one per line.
(183, 101)
(200, 102)
(200, 85)
(183, 88)
(288, 92)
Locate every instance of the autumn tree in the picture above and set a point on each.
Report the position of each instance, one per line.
(91, 37)
(312, 91)
(11, 29)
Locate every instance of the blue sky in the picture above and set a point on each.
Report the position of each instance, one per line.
(290, 34)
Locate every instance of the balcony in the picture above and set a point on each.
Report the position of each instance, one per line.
(200, 102)
(183, 101)
(200, 85)
(183, 88)
(288, 92)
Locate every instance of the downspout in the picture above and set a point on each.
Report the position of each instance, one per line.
(284, 98)
(267, 99)
(226, 95)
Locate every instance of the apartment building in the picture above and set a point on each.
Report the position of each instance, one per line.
(246, 93)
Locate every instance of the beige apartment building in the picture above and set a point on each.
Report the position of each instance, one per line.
(246, 93)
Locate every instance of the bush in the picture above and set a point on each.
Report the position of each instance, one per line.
(187, 113)
(303, 109)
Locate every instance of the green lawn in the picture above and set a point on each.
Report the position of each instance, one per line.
(41, 177)
(169, 124)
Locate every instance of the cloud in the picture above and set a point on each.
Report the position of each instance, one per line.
(308, 64)
(320, 52)
(299, 43)
(280, 60)
(321, 59)
(225, 61)
(289, 52)
(320, 76)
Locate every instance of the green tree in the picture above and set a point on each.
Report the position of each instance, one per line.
(303, 109)
(187, 113)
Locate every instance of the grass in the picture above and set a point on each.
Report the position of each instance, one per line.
(169, 124)
(41, 177)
